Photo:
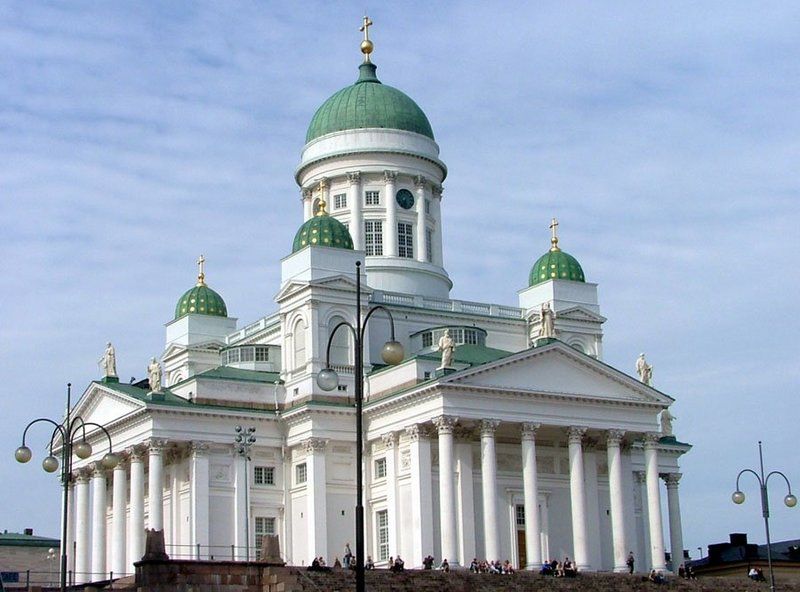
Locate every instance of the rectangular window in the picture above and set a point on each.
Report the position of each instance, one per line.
(382, 534)
(520, 515)
(300, 474)
(372, 198)
(427, 206)
(340, 201)
(248, 354)
(264, 475)
(405, 240)
(427, 339)
(373, 237)
(380, 468)
(264, 526)
(262, 353)
(429, 243)
(470, 336)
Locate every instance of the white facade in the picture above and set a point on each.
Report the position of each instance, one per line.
(525, 450)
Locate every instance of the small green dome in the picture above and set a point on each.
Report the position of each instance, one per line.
(368, 103)
(322, 230)
(201, 300)
(556, 265)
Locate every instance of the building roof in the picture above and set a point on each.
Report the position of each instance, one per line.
(322, 230)
(17, 539)
(474, 355)
(231, 373)
(201, 299)
(368, 104)
(556, 265)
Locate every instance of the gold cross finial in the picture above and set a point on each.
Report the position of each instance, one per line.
(201, 275)
(366, 45)
(554, 237)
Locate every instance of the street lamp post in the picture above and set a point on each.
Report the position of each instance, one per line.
(72, 432)
(245, 438)
(790, 501)
(392, 353)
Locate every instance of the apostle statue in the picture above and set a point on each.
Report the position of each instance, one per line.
(447, 346)
(154, 376)
(666, 422)
(108, 362)
(644, 370)
(547, 327)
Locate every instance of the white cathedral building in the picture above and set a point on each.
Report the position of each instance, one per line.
(527, 447)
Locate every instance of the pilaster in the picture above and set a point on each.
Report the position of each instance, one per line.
(390, 180)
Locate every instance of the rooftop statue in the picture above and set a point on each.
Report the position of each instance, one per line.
(644, 370)
(154, 376)
(447, 346)
(108, 361)
(666, 422)
(547, 327)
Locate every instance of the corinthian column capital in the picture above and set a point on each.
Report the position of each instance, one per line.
(489, 427)
(529, 430)
(614, 437)
(445, 423)
(354, 177)
(576, 434)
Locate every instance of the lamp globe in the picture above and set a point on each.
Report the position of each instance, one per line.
(82, 449)
(327, 379)
(109, 460)
(50, 464)
(790, 501)
(738, 497)
(393, 353)
(23, 454)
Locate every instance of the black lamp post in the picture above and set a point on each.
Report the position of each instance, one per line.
(72, 432)
(790, 501)
(328, 380)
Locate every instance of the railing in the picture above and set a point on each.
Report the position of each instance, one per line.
(24, 580)
(254, 327)
(465, 306)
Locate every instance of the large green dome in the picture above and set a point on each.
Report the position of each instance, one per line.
(322, 230)
(201, 300)
(368, 103)
(556, 265)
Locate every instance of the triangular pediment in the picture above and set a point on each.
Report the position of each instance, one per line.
(334, 282)
(102, 404)
(580, 313)
(557, 369)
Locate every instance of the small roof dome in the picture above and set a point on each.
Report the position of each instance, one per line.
(322, 230)
(368, 103)
(555, 264)
(201, 299)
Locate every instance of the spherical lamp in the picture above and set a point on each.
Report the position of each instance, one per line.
(109, 460)
(790, 501)
(738, 497)
(50, 464)
(23, 454)
(82, 449)
(327, 379)
(392, 353)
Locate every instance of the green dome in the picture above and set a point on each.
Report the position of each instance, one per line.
(368, 103)
(556, 265)
(201, 300)
(323, 231)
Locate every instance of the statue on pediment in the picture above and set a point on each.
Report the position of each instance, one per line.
(447, 346)
(154, 376)
(644, 370)
(666, 422)
(547, 326)
(108, 362)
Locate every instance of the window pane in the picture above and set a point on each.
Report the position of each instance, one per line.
(382, 532)
(405, 240)
(373, 237)
(372, 198)
(429, 244)
(340, 201)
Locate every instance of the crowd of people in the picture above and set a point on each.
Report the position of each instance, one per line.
(559, 569)
(494, 567)
(756, 574)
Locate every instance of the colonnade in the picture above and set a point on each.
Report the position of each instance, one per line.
(421, 531)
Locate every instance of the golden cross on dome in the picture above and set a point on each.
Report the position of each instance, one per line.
(366, 45)
(201, 275)
(321, 211)
(554, 237)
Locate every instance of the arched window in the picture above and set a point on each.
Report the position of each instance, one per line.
(340, 346)
(299, 334)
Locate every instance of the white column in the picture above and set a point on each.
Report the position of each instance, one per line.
(316, 492)
(155, 485)
(578, 498)
(421, 493)
(119, 506)
(390, 177)
(136, 526)
(615, 491)
(308, 204)
(198, 476)
(530, 486)
(422, 246)
(98, 523)
(447, 500)
(592, 496)
(654, 501)
(356, 201)
(240, 502)
(675, 528)
(465, 495)
(390, 442)
(436, 211)
(83, 561)
(644, 556)
(491, 533)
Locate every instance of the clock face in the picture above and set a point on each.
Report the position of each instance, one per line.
(405, 199)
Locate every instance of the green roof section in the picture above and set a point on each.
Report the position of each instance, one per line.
(322, 230)
(165, 397)
(231, 373)
(18, 539)
(201, 300)
(474, 355)
(556, 265)
(368, 104)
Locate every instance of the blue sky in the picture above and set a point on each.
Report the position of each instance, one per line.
(134, 136)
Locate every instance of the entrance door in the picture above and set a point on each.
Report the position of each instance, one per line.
(521, 553)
